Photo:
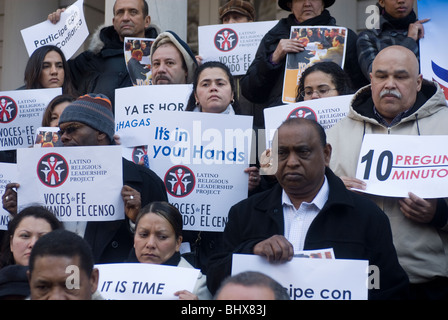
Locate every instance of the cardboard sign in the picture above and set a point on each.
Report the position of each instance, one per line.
(8, 174)
(326, 111)
(322, 43)
(201, 157)
(234, 44)
(68, 34)
(134, 107)
(21, 113)
(75, 183)
(394, 165)
(143, 281)
(433, 58)
(312, 279)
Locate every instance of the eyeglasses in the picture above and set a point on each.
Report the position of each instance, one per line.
(321, 92)
(71, 128)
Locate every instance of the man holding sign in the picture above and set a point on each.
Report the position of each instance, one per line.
(400, 102)
(89, 121)
(309, 209)
(102, 68)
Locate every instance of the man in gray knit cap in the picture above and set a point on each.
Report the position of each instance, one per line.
(89, 121)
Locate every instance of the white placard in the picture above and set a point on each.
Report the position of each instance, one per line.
(234, 44)
(143, 281)
(21, 113)
(75, 183)
(134, 107)
(312, 279)
(394, 165)
(201, 157)
(326, 111)
(8, 174)
(68, 34)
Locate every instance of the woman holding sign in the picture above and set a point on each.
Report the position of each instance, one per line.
(263, 82)
(157, 240)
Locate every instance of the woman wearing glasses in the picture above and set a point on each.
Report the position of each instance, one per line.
(323, 80)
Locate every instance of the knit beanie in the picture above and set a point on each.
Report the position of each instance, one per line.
(94, 110)
(182, 46)
(243, 7)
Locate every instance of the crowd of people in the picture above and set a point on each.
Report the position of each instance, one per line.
(306, 204)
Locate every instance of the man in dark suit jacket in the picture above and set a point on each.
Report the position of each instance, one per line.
(331, 216)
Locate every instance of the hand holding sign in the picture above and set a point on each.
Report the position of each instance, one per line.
(418, 209)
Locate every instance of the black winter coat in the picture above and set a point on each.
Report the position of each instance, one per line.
(349, 223)
(102, 69)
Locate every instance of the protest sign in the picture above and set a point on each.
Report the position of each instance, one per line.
(8, 174)
(75, 183)
(21, 112)
(201, 157)
(137, 53)
(433, 58)
(234, 45)
(322, 43)
(68, 34)
(144, 281)
(326, 111)
(134, 107)
(312, 279)
(394, 165)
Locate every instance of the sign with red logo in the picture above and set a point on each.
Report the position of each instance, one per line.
(326, 111)
(21, 113)
(234, 45)
(74, 183)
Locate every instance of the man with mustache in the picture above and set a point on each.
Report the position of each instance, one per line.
(172, 60)
(399, 101)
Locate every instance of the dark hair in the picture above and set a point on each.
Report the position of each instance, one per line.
(300, 121)
(338, 76)
(46, 118)
(145, 9)
(165, 210)
(63, 243)
(212, 64)
(33, 70)
(38, 212)
(256, 279)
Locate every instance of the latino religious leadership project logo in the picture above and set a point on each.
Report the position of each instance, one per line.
(8, 109)
(303, 112)
(180, 181)
(226, 40)
(52, 170)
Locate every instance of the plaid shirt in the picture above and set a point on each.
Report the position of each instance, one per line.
(370, 42)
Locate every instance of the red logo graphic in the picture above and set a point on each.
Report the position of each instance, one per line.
(303, 112)
(180, 181)
(52, 170)
(226, 40)
(8, 109)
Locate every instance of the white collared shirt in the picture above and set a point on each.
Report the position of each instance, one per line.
(298, 221)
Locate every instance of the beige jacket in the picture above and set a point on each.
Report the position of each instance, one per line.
(422, 248)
